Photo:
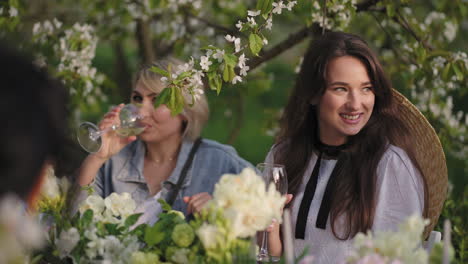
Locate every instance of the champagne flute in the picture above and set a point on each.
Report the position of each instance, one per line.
(89, 135)
(276, 174)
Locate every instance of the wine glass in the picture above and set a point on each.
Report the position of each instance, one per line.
(89, 135)
(276, 174)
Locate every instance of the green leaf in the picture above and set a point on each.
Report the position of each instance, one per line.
(446, 72)
(164, 205)
(391, 10)
(163, 97)
(255, 43)
(87, 218)
(226, 73)
(458, 72)
(153, 235)
(184, 75)
(131, 220)
(215, 82)
(230, 59)
(267, 6)
(112, 229)
(260, 4)
(159, 71)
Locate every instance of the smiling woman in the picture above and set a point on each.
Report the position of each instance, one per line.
(349, 156)
(347, 103)
(167, 160)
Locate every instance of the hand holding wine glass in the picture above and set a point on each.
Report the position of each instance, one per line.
(115, 131)
(276, 174)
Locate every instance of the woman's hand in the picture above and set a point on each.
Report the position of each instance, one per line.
(111, 142)
(274, 223)
(275, 246)
(196, 202)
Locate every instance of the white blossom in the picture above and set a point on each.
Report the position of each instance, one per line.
(269, 23)
(219, 55)
(253, 13)
(450, 31)
(205, 63)
(278, 7)
(291, 5)
(236, 79)
(235, 40)
(251, 21)
(239, 25)
(13, 12)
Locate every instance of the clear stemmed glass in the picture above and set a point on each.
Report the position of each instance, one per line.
(89, 135)
(276, 174)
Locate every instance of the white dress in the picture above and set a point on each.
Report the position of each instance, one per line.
(400, 193)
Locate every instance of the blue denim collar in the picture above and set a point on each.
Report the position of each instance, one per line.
(135, 155)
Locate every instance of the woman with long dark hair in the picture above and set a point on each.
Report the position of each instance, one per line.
(338, 142)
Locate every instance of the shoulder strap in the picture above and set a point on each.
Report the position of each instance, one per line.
(183, 174)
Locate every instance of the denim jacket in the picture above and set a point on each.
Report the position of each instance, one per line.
(124, 171)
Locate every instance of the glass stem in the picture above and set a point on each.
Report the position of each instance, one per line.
(264, 248)
(94, 135)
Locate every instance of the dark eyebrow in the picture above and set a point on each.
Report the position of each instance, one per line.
(346, 84)
(138, 93)
(339, 83)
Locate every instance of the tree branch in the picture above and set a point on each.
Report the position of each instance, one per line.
(290, 41)
(402, 21)
(364, 6)
(145, 45)
(298, 37)
(215, 26)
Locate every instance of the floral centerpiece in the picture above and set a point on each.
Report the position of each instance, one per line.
(105, 230)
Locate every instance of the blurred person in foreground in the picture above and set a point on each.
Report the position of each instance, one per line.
(33, 116)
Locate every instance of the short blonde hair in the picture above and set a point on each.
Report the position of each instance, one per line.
(196, 115)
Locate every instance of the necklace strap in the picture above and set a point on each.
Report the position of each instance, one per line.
(183, 174)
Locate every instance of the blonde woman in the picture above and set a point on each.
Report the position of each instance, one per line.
(166, 160)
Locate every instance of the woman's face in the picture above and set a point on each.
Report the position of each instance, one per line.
(159, 122)
(348, 100)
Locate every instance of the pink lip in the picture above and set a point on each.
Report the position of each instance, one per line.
(351, 122)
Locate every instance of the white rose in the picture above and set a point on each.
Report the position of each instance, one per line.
(112, 203)
(93, 202)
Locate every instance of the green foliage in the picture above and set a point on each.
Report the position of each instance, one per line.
(455, 209)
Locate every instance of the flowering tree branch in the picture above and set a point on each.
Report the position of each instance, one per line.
(215, 26)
